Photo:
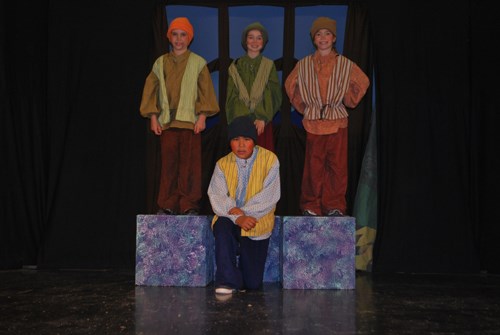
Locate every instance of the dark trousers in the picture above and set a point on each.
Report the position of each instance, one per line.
(180, 176)
(324, 181)
(240, 260)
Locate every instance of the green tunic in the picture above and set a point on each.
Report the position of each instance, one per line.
(271, 99)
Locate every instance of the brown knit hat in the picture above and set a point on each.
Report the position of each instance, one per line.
(254, 26)
(323, 23)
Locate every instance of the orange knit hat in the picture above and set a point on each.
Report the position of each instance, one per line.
(181, 23)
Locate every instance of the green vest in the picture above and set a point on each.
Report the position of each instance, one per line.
(189, 90)
(256, 92)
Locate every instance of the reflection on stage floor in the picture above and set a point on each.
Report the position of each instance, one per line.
(109, 302)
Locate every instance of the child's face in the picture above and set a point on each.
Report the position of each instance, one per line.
(255, 41)
(324, 39)
(242, 147)
(179, 41)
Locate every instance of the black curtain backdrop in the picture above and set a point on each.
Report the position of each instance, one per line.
(428, 214)
(79, 162)
(485, 118)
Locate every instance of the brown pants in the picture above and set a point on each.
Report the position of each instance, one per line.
(324, 182)
(266, 139)
(180, 176)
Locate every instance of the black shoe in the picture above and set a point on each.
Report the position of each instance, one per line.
(191, 211)
(335, 212)
(165, 211)
(307, 212)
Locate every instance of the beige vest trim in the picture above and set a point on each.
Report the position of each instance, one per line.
(189, 90)
(258, 86)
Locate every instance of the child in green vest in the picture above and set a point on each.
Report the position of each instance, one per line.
(253, 87)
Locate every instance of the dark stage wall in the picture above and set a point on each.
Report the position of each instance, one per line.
(74, 147)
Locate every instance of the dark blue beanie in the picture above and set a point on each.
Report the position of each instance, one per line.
(242, 126)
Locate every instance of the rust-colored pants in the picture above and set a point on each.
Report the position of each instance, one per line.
(266, 139)
(324, 182)
(180, 176)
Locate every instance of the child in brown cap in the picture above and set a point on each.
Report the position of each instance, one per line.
(178, 96)
(320, 87)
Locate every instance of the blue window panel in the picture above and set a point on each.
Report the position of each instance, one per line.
(272, 18)
(205, 24)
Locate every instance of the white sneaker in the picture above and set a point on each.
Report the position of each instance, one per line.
(224, 290)
(335, 212)
(308, 212)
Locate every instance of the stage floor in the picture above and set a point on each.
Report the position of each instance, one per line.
(108, 302)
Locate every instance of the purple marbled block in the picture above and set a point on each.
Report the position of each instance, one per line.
(318, 252)
(272, 271)
(174, 251)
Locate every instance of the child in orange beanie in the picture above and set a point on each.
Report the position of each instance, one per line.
(178, 96)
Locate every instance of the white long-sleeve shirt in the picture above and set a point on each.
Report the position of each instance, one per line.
(257, 206)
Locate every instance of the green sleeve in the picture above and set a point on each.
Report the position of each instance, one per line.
(234, 106)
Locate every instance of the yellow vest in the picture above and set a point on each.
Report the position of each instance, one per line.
(260, 169)
(189, 90)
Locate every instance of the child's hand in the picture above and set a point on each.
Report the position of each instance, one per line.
(236, 211)
(199, 126)
(246, 222)
(155, 125)
(259, 125)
